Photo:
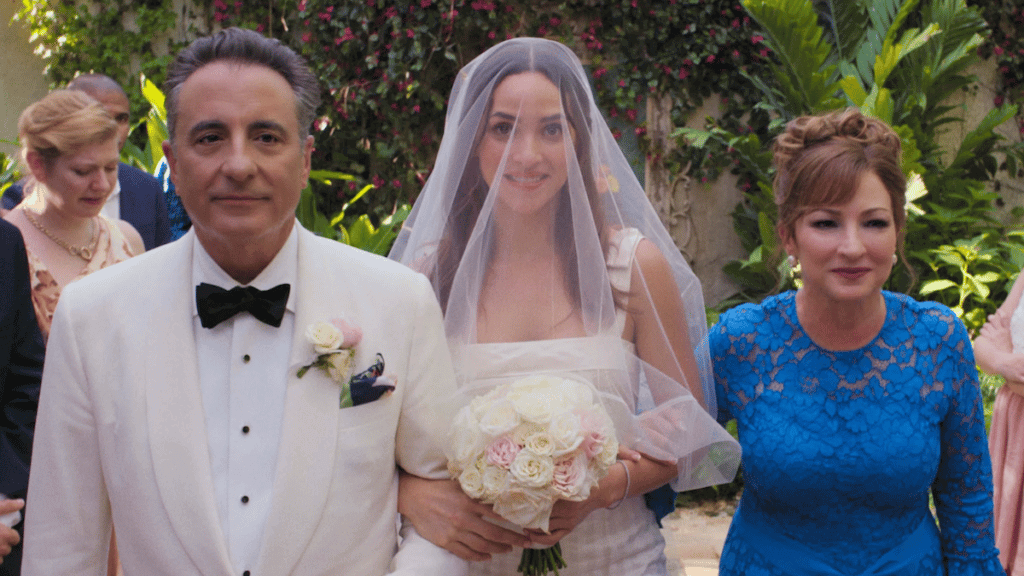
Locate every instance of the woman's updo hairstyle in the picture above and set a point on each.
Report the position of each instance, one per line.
(820, 161)
(63, 122)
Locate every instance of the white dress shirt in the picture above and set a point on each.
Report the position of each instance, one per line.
(112, 207)
(243, 369)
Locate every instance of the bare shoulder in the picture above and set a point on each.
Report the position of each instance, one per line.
(132, 236)
(650, 265)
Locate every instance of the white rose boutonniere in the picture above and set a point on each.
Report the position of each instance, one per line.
(335, 345)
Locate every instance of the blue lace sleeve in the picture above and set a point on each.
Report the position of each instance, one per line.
(963, 486)
(719, 344)
(731, 342)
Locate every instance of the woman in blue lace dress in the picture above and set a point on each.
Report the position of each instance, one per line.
(853, 404)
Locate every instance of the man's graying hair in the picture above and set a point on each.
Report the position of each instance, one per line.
(244, 47)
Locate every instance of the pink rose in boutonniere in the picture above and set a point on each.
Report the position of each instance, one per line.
(335, 345)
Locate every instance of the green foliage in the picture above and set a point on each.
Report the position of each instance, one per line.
(387, 67)
(153, 126)
(900, 65)
(990, 385)
(1005, 43)
(803, 72)
(9, 173)
(112, 37)
(360, 232)
(980, 265)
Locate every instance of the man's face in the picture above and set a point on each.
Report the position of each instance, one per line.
(237, 161)
(118, 107)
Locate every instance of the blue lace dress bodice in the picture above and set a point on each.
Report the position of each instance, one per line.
(842, 449)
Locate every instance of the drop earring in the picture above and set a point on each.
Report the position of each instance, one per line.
(895, 259)
(791, 260)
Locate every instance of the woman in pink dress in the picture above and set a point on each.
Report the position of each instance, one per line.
(999, 349)
(69, 150)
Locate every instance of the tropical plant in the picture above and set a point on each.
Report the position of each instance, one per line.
(9, 173)
(360, 232)
(153, 126)
(896, 60)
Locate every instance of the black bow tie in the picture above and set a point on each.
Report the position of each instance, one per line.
(216, 304)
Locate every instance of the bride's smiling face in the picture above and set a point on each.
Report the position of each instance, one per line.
(527, 119)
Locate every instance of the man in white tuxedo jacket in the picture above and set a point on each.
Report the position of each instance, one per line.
(172, 405)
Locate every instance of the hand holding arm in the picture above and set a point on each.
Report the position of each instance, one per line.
(9, 536)
(444, 515)
(993, 347)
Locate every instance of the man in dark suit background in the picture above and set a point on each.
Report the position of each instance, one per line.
(138, 198)
(21, 364)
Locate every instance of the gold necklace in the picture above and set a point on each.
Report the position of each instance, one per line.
(84, 252)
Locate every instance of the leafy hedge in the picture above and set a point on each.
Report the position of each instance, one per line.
(387, 66)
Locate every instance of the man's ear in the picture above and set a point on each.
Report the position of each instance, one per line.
(307, 155)
(172, 162)
(307, 159)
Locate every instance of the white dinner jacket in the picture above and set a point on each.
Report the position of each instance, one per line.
(121, 433)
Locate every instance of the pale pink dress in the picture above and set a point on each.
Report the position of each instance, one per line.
(1006, 443)
(111, 247)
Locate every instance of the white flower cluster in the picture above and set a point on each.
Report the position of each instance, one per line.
(526, 444)
(334, 343)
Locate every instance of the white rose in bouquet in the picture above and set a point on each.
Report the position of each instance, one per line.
(499, 418)
(567, 433)
(522, 446)
(496, 481)
(472, 482)
(466, 440)
(531, 470)
(524, 507)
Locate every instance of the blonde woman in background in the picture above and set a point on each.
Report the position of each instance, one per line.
(69, 149)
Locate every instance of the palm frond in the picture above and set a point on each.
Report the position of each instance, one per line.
(806, 78)
(846, 22)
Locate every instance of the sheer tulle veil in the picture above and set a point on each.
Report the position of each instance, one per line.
(455, 236)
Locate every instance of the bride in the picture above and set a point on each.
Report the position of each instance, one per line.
(547, 258)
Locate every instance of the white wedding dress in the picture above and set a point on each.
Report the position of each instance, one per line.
(625, 541)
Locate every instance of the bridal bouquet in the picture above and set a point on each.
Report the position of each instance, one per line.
(524, 445)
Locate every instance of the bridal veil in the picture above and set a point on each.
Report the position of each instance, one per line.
(600, 215)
